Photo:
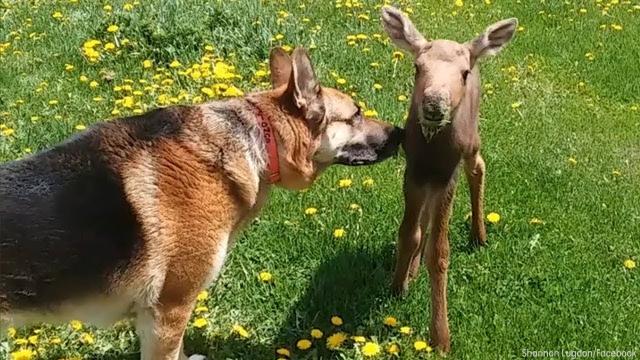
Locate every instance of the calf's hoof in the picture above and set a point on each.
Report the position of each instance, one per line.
(441, 343)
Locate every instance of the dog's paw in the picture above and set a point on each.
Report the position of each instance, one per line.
(197, 357)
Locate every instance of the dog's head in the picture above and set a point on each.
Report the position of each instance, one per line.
(323, 126)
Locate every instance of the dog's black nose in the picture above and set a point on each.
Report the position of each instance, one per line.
(396, 135)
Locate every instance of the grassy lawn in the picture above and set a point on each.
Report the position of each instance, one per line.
(561, 129)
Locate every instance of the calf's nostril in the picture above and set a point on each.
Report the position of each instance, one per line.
(433, 109)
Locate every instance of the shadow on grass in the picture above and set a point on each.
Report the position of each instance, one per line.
(352, 284)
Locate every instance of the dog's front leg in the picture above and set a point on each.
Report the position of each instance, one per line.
(161, 330)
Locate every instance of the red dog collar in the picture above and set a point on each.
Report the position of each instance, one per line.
(273, 164)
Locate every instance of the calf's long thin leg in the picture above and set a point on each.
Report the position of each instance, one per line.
(437, 260)
(475, 169)
(409, 236)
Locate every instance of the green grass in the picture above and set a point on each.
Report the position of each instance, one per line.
(560, 285)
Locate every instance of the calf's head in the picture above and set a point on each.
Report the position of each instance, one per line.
(443, 66)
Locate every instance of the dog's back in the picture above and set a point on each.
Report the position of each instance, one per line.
(66, 225)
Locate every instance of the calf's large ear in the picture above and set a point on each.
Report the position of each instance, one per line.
(494, 39)
(402, 31)
(280, 66)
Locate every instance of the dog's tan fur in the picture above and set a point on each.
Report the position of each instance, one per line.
(192, 176)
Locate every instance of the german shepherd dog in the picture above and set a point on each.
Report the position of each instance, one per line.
(135, 216)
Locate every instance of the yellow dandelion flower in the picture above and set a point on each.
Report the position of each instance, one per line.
(93, 84)
(113, 28)
(75, 324)
(341, 81)
(420, 345)
(175, 64)
(23, 354)
(241, 331)
(69, 67)
(279, 37)
(336, 340)
(316, 334)
(459, 3)
(345, 183)
(393, 349)
(336, 320)
(57, 15)
(536, 221)
(203, 295)
(232, 91)
(516, 105)
(402, 98)
(147, 64)
(354, 206)
(374, 64)
(265, 276)
(405, 330)
(370, 113)
(368, 182)
(127, 7)
(33, 339)
(303, 344)
(200, 323)
(107, 8)
(377, 86)
(616, 27)
(87, 339)
(283, 352)
(630, 264)
(572, 161)
(370, 349)
(397, 55)
(390, 321)
(339, 233)
(493, 218)
(109, 46)
(310, 211)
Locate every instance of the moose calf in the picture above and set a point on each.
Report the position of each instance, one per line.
(441, 130)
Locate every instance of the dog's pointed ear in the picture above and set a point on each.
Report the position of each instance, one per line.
(306, 90)
(402, 31)
(280, 66)
(494, 39)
